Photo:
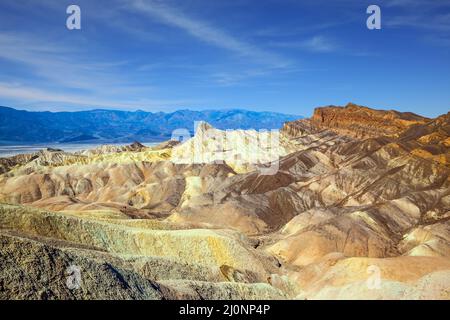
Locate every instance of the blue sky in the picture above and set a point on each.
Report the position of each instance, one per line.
(273, 55)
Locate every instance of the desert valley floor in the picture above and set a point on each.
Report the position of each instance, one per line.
(358, 194)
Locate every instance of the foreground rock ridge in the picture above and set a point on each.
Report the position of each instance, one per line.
(358, 208)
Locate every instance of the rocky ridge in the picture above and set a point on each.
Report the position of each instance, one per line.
(362, 122)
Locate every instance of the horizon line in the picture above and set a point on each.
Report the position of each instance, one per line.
(153, 112)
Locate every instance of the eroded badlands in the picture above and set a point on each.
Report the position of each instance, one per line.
(357, 192)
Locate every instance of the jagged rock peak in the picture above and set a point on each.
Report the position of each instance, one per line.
(202, 127)
(136, 146)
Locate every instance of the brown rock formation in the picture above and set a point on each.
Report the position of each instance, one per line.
(362, 122)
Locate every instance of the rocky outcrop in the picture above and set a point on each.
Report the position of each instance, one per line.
(298, 128)
(134, 262)
(6, 164)
(105, 149)
(362, 122)
(431, 140)
(33, 268)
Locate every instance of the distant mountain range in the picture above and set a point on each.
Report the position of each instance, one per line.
(18, 126)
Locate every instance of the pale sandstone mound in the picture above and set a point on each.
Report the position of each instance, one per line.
(429, 240)
(243, 150)
(338, 277)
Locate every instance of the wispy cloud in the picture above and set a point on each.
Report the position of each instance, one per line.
(235, 78)
(427, 15)
(36, 96)
(208, 33)
(319, 44)
(298, 31)
(315, 44)
(416, 3)
(61, 74)
(61, 64)
(432, 22)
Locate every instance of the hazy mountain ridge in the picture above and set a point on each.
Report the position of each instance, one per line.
(124, 126)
